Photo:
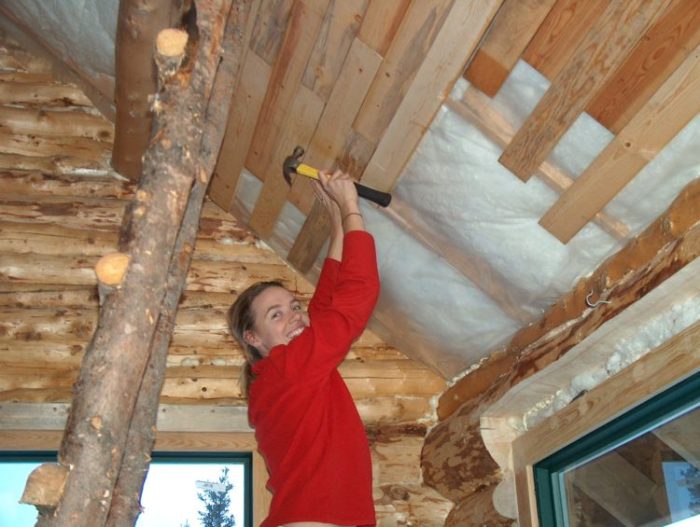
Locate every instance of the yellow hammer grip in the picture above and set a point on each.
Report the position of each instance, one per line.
(306, 170)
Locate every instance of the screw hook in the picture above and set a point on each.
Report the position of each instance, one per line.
(595, 304)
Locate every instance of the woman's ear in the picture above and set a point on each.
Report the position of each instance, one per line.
(251, 338)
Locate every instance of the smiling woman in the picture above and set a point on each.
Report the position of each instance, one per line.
(180, 490)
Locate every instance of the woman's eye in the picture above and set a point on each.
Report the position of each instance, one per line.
(296, 308)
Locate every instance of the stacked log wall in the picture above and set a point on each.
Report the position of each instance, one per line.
(61, 209)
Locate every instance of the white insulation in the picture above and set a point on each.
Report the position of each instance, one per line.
(456, 186)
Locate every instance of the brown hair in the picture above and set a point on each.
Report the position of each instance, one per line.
(241, 319)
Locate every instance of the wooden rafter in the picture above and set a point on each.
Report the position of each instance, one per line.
(674, 36)
(476, 109)
(512, 29)
(602, 50)
(288, 115)
(443, 64)
(459, 466)
(652, 128)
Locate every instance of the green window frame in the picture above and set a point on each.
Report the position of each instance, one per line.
(548, 473)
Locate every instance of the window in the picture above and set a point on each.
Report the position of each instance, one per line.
(176, 489)
(641, 469)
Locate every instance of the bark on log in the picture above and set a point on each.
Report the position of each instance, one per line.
(127, 492)
(96, 432)
(138, 23)
(455, 460)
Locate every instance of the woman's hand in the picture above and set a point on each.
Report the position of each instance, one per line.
(340, 187)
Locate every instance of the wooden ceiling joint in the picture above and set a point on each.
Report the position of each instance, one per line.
(603, 49)
(512, 29)
(669, 110)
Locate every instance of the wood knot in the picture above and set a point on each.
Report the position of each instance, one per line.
(44, 486)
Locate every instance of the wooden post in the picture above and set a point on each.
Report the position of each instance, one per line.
(115, 360)
(127, 492)
(138, 23)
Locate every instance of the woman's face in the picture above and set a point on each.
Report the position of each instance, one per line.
(279, 318)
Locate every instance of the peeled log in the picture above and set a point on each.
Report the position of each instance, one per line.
(138, 23)
(455, 460)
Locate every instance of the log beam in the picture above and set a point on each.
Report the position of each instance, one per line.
(138, 23)
(455, 460)
(96, 434)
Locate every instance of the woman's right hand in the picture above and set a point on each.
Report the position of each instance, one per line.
(341, 188)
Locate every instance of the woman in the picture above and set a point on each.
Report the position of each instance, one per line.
(306, 423)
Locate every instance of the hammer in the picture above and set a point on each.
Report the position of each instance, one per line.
(293, 165)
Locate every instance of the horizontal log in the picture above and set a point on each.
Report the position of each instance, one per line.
(25, 77)
(53, 164)
(55, 123)
(37, 185)
(102, 213)
(455, 459)
(45, 94)
(42, 146)
(210, 276)
(52, 239)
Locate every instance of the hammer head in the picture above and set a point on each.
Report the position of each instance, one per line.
(291, 163)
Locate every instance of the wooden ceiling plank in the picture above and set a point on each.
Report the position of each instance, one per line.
(381, 22)
(561, 33)
(278, 121)
(414, 38)
(602, 50)
(444, 63)
(269, 27)
(307, 108)
(476, 109)
(327, 145)
(31, 145)
(667, 43)
(243, 113)
(340, 25)
(675, 104)
(512, 29)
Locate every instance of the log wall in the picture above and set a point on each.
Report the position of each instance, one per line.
(60, 210)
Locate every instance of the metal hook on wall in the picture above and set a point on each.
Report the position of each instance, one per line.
(595, 304)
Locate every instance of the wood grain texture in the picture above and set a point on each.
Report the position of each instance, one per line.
(381, 21)
(288, 114)
(408, 49)
(662, 50)
(439, 70)
(340, 25)
(475, 108)
(511, 31)
(561, 33)
(649, 131)
(602, 50)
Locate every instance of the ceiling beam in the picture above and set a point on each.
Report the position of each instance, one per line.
(510, 33)
(442, 65)
(603, 49)
(670, 109)
(476, 109)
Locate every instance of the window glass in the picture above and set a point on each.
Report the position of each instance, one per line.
(186, 490)
(641, 469)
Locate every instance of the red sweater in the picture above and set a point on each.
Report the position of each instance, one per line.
(306, 423)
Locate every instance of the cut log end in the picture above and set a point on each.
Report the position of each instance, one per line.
(171, 43)
(111, 268)
(45, 486)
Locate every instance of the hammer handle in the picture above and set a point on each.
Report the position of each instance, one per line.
(376, 196)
